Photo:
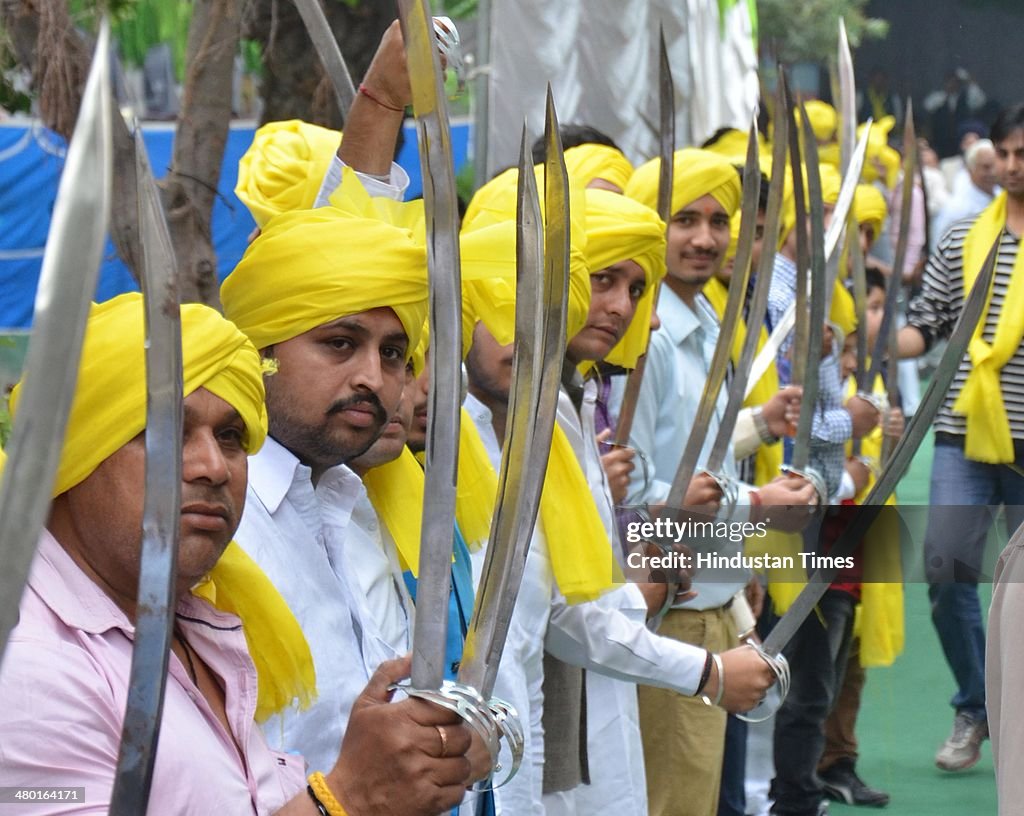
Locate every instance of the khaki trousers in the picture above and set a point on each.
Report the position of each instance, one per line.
(683, 738)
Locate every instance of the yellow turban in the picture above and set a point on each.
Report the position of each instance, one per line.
(492, 300)
(697, 173)
(284, 167)
(870, 207)
(879, 152)
(588, 162)
(109, 409)
(842, 313)
(823, 118)
(310, 267)
(732, 145)
(620, 229)
(831, 182)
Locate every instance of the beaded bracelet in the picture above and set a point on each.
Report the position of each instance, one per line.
(323, 797)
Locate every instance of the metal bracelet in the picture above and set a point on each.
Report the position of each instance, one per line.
(717, 658)
(776, 695)
(761, 425)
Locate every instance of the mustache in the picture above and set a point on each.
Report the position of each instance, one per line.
(368, 400)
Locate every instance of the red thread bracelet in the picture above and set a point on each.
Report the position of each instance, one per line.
(366, 92)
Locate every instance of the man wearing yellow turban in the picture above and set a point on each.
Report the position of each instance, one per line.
(979, 451)
(337, 300)
(237, 650)
(683, 739)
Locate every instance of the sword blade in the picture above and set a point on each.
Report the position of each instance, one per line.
(162, 508)
(327, 49)
(835, 232)
(730, 321)
(67, 283)
(541, 296)
(742, 378)
(666, 171)
(895, 283)
(847, 100)
(818, 279)
(897, 466)
(442, 454)
(801, 338)
(860, 306)
(740, 279)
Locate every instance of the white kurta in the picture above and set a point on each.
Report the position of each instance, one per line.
(296, 534)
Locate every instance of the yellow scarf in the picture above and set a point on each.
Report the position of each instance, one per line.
(581, 554)
(396, 493)
(769, 457)
(981, 399)
(284, 665)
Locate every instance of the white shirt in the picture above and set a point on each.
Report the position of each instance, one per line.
(296, 534)
(370, 555)
(678, 361)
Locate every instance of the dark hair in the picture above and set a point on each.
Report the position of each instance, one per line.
(762, 193)
(1009, 120)
(716, 137)
(574, 136)
(874, 278)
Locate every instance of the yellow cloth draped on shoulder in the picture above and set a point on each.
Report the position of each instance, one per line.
(981, 398)
(769, 457)
(109, 410)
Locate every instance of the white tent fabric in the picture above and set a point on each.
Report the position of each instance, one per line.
(602, 61)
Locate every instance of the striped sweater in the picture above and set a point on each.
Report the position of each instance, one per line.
(934, 313)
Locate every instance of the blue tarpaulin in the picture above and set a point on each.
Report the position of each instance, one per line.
(31, 160)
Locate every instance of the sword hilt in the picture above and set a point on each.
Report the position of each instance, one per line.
(815, 478)
(776, 695)
(491, 720)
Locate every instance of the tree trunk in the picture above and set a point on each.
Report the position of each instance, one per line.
(190, 187)
(294, 84)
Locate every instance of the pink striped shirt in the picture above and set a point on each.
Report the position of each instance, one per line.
(63, 690)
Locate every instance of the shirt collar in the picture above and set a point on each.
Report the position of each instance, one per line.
(272, 472)
(80, 603)
(678, 320)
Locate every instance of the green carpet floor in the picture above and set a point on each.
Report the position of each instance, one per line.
(906, 715)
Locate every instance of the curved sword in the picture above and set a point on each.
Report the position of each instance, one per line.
(847, 100)
(161, 519)
(666, 170)
(719, 365)
(759, 298)
(897, 466)
(330, 54)
(832, 242)
(440, 207)
(541, 297)
(895, 283)
(67, 283)
(808, 355)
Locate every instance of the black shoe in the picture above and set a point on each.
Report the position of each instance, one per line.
(842, 784)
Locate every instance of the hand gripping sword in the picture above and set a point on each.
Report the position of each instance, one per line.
(541, 297)
(162, 510)
(67, 283)
(666, 170)
(894, 470)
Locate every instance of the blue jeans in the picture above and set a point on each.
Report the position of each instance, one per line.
(954, 546)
